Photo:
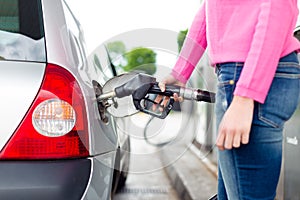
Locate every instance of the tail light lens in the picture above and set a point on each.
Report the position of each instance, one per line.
(54, 118)
(55, 125)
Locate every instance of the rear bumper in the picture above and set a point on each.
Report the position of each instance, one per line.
(45, 180)
(88, 178)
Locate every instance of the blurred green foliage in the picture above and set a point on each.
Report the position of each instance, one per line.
(117, 47)
(138, 59)
(141, 59)
(180, 38)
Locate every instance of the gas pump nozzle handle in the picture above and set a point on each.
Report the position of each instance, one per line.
(129, 87)
(133, 84)
(141, 95)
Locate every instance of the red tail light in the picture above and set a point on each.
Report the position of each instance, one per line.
(55, 125)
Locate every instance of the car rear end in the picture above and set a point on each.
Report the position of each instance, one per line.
(47, 147)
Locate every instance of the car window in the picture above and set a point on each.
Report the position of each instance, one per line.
(21, 30)
(75, 35)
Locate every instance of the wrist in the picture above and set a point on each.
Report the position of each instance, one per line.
(243, 100)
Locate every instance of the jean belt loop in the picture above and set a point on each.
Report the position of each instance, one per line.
(217, 68)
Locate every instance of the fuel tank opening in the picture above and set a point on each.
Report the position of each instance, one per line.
(103, 104)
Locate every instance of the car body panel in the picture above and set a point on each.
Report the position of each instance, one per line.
(62, 50)
(19, 84)
(21, 78)
(87, 179)
(44, 180)
(100, 184)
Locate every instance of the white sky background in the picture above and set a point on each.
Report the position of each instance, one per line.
(102, 20)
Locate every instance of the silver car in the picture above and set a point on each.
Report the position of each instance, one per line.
(56, 141)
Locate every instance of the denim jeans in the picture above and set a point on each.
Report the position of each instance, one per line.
(252, 171)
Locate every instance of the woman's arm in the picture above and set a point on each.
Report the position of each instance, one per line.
(274, 28)
(193, 47)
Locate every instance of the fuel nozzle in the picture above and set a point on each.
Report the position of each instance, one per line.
(197, 95)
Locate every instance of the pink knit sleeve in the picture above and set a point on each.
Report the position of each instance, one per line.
(271, 31)
(193, 47)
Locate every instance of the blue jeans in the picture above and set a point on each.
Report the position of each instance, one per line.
(252, 171)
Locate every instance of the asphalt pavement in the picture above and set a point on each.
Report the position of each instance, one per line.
(193, 177)
(147, 179)
(175, 171)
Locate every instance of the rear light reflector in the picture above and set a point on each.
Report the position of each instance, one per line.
(56, 125)
(54, 118)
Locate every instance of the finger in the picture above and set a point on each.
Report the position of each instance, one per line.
(177, 97)
(237, 140)
(157, 100)
(220, 140)
(245, 138)
(165, 101)
(162, 86)
(228, 140)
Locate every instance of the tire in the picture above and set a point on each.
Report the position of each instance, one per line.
(120, 177)
(124, 173)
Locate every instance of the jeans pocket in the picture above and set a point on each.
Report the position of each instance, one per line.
(225, 89)
(282, 99)
(227, 76)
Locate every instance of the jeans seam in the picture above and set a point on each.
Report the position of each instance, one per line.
(223, 84)
(288, 64)
(237, 176)
(267, 121)
(234, 76)
(284, 75)
(271, 123)
(299, 93)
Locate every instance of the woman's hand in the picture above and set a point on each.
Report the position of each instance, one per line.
(163, 100)
(235, 126)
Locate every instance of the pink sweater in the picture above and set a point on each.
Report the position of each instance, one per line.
(256, 32)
